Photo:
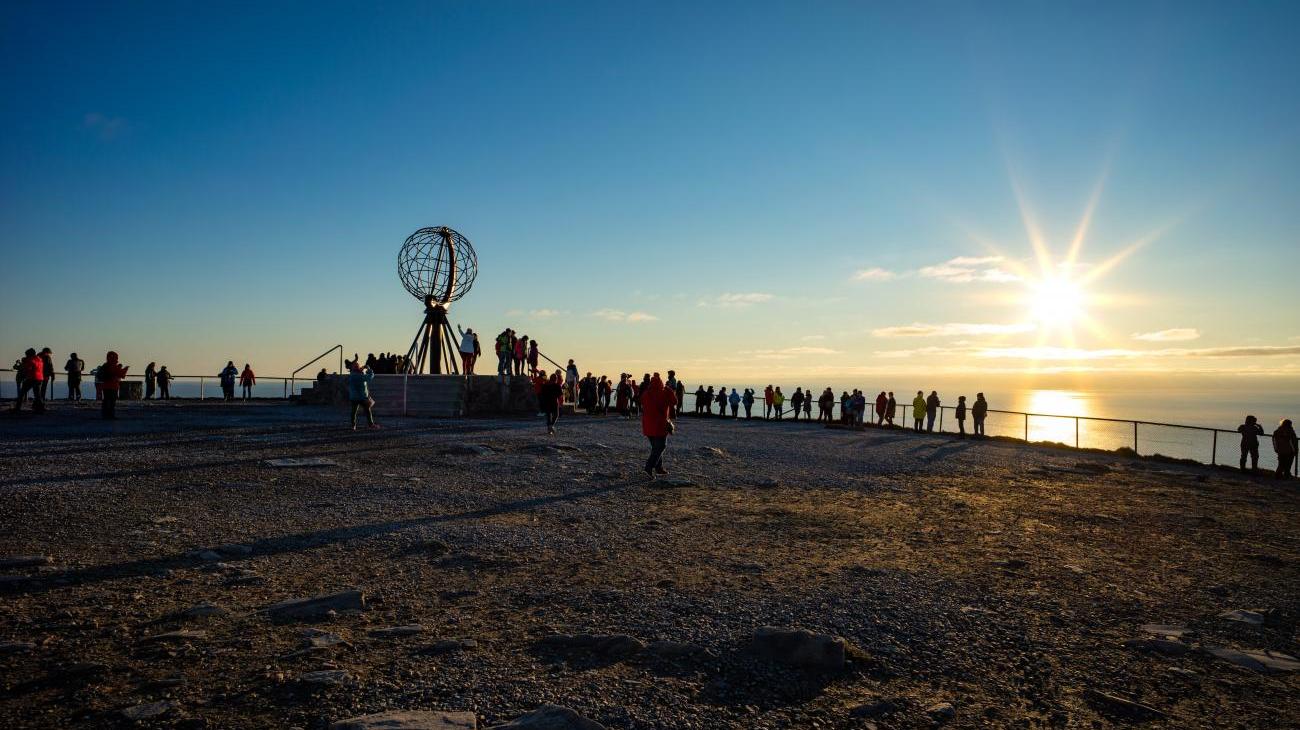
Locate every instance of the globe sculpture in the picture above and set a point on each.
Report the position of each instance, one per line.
(437, 266)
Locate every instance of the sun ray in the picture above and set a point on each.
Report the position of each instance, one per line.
(1032, 229)
(1099, 270)
(1081, 232)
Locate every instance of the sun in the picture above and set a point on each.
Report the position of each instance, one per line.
(1056, 302)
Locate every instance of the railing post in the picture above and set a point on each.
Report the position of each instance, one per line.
(286, 389)
(941, 418)
(201, 380)
(404, 377)
(1135, 437)
(1214, 448)
(1026, 428)
(1076, 432)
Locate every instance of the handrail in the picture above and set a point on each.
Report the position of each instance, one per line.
(294, 375)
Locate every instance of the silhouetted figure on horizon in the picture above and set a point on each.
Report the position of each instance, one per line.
(918, 412)
(778, 402)
(769, 396)
(931, 411)
(722, 402)
(979, 412)
(246, 381)
(110, 381)
(796, 402)
(150, 380)
(47, 361)
(74, 367)
(165, 383)
(1250, 432)
(748, 400)
(1284, 444)
(882, 403)
(359, 394)
(734, 400)
(891, 409)
(807, 404)
(230, 373)
(961, 415)
(31, 370)
(551, 399)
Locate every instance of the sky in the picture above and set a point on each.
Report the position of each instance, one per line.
(738, 190)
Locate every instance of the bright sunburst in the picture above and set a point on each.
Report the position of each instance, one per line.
(1056, 302)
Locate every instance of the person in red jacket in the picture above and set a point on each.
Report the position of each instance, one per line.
(247, 380)
(32, 372)
(110, 379)
(657, 403)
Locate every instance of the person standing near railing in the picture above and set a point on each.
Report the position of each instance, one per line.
(722, 402)
(979, 412)
(796, 402)
(734, 400)
(571, 382)
(110, 380)
(859, 407)
(1285, 445)
(748, 400)
(931, 411)
(1250, 432)
(826, 405)
(778, 402)
(623, 396)
(807, 404)
(961, 416)
(768, 397)
(74, 367)
(846, 407)
(503, 348)
(247, 380)
(164, 384)
(520, 355)
(230, 373)
(918, 412)
(881, 404)
(32, 371)
(533, 355)
(891, 409)
(150, 379)
(47, 363)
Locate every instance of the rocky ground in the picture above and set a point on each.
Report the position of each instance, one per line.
(481, 567)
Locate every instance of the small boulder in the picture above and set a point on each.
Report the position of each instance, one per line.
(1264, 661)
(1254, 618)
(148, 710)
(409, 720)
(941, 711)
(609, 645)
(800, 647)
(550, 717)
(1168, 647)
(325, 678)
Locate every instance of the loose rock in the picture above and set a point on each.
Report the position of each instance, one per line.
(396, 632)
(410, 720)
(800, 647)
(317, 607)
(550, 717)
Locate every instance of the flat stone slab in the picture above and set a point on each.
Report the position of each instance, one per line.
(409, 720)
(326, 678)
(1254, 618)
(397, 632)
(550, 717)
(306, 461)
(1174, 630)
(1264, 661)
(175, 637)
(316, 607)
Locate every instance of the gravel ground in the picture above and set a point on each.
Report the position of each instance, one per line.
(1002, 579)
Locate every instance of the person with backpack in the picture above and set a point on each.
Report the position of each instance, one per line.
(230, 374)
(359, 394)
(109, 378)
(32, 370)
(164, 383)
(1250, 432)
(657, 404)
(978, 413)
(246, 382)
(74, 367)
(468, 349)
(1284, 445)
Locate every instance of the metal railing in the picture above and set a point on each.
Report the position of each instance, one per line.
(288, 387)
(293, 376)
(1024, 427)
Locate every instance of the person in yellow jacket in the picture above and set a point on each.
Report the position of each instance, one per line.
(778, 402)
(918, 412)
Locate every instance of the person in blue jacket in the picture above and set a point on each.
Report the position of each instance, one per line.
(359, 394)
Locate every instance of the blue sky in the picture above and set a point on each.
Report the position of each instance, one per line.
(650, 185)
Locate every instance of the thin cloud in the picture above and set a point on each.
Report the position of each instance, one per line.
(737, 301)
(875, 273)
(952, 329)
(618, 315)
(787, 353)
(968, 269)
(544, 313)
(1177, 334)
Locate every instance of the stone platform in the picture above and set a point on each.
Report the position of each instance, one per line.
(435, 396)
